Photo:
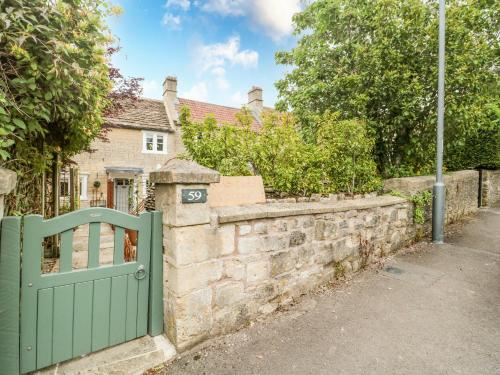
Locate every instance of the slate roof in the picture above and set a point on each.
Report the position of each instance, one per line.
(144, 114)
(223, 115)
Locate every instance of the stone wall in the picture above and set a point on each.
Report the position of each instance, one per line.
(8, 180)
(490, 187)
(461, 191)
(226, 266)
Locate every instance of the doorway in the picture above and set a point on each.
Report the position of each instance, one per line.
(123, 190)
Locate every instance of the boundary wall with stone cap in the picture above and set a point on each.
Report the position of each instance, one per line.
(226, 266)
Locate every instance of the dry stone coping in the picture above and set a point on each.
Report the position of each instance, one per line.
(180, 171)
(7, 181)
(274, 210)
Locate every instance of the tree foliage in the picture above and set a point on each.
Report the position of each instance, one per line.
(56, 85)
(347, 152)
(376, 60)
(223, 148)
(54, 74)
(340, 161)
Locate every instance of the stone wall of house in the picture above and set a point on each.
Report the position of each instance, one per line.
(226, 266)
(461, 191)
(123, 149)
(8, 180)
(490, 187)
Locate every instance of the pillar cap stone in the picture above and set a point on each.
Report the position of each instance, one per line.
(181, 171)
(8, 180)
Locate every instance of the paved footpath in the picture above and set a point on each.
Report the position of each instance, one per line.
(432, 310)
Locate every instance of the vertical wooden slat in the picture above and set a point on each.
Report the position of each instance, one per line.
(119, 245)
(66, 254)
(10, 261)
(100, 314)
(32, 255)
(82, 323)
(155, 318)
(94, 244)
(131, 321)
(44, 335)
(63, 323)
(143, 257)
(118, 312)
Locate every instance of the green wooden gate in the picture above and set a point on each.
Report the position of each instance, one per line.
(75, 312)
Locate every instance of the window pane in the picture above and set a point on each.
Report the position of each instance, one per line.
(149, 143)
(159, 143)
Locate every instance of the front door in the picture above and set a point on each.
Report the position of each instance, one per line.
(122, 194)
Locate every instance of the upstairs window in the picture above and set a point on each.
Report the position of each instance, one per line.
(154, 143)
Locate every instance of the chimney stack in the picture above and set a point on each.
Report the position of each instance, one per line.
(170, 88)
(255, 102)
(170, 98)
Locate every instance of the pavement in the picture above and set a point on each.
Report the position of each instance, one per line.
(433, 309)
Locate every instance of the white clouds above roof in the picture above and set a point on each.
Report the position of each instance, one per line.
(151, 89)
(273, 17)
(198, 92)
(215, 56)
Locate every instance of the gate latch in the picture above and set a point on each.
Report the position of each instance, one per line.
(140, 273)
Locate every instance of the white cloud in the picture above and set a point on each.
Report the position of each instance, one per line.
(183, 4)
(214, 58)
(273, 17)
(220, 78)
(238, 99)
(225, 7)
(217, 55)
(198, 92)
(151, 89)
(171, 21)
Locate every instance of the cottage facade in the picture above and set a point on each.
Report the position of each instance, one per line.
(141, 138)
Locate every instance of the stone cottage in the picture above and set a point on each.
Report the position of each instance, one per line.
(141, 138)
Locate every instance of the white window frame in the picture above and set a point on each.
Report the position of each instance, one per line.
(84, 181)
(154, 135)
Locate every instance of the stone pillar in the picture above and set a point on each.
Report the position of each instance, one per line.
(189, 251)
(7, 183)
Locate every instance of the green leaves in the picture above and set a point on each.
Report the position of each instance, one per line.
(376, 60)
(46, 91)
(340, 161)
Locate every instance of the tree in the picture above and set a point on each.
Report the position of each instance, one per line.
(376, 60)
(346, 150)
(56, 85)
(224, 148)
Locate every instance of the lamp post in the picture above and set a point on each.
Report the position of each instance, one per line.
(439, 188)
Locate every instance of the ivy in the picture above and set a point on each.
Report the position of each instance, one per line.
(420, 203)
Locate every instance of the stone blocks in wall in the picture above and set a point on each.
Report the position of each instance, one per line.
(461, 191)
(8, 180)
(236, 263)
(490, 188)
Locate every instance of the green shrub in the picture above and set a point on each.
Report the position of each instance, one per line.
(223, 148)
(283, 160)
(347, 151)
(341, 161)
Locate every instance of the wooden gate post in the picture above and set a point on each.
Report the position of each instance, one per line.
(10, 268)
(181, 194)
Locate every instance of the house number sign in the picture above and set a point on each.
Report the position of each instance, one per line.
(194, 195)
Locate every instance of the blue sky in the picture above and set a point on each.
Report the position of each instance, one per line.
(217, 49)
